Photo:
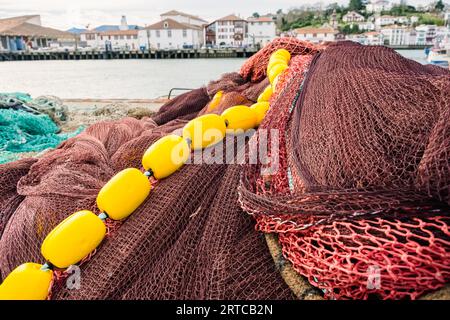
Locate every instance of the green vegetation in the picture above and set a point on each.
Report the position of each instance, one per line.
(317, 15)
(350, 29)
(355, 5)
(439, 6)
(427, 18)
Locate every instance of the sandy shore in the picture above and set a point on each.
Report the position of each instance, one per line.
(84, 112)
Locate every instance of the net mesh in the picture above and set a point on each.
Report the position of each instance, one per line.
(362, 184)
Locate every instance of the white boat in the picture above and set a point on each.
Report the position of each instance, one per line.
(438, 57)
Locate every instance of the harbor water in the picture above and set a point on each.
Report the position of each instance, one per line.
(120, 79)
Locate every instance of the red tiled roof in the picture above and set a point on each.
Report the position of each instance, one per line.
(18, 26)
(309, 30)
(260, 19)
(171, 24)
(231, 17)
(179, 13)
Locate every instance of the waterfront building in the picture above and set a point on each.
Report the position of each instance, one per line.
(426, 34)
(377, 6)
(353, 16)
(229, 31)
(396, 35)
(373, 38)
(27, 33)
(111, 37)
(315, 35)
(110, 40)
(171, 34)
(261, 31)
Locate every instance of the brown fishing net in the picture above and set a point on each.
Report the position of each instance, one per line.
(362, 183)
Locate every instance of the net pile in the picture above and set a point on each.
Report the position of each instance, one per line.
(360, 202)
(21, 131)
(333, 210)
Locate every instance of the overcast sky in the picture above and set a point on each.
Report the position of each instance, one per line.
(64, 14)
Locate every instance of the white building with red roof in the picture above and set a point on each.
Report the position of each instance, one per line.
(261, 30)
(229, 31)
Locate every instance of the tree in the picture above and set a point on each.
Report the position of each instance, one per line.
(280, 11)
(439, 5)
(355, 5)
(256, 15)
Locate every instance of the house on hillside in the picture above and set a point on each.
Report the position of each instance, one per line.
(376, 6)
(27, 33)
(315, 34)
(353, 16)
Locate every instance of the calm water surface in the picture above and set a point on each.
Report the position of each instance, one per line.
(130, 79)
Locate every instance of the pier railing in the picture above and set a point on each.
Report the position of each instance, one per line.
(132, 54)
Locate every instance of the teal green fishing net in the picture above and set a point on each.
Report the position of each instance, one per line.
(22, 131)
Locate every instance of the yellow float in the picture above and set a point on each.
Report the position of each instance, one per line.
(266, 94)
(260, 110)
(166, 156)
(215, 101)
(204, 131)
(123, 193)
(239, 118)
(27, 282)
(276, 71)
(73, 239)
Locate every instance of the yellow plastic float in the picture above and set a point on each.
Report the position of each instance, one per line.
(276, 71)
(239, 118)
(27, 282)
(215, 101)
(73, 239)
(166, 156)
(260, 110)
(123, 194)
(204, 131)
(266, 94)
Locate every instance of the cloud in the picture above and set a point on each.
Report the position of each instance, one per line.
(63, 14)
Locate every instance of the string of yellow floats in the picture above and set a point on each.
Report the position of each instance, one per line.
(82, 232)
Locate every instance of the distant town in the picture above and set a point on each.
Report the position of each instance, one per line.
(375, 22)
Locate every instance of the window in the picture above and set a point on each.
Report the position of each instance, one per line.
(128, 37)
(101, 37)
(149, 33)
(122, 37)
(158, 33)
(116, 37)
(184, 33)
(169, 33)
(135, 36)
(166, 25)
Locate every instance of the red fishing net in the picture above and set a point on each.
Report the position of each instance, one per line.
(360, 202)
